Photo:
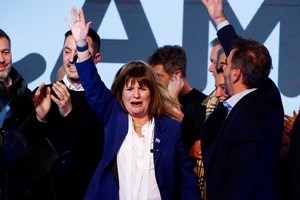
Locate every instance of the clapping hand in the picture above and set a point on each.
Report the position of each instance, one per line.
(289, 122)
(42, 103)
(62, 98)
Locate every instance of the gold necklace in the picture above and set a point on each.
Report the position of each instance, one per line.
(138, 126)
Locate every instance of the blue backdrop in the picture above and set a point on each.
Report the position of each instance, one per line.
(132, 30)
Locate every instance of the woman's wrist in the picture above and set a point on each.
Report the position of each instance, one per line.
(219, 20)
(82, 48)
(83, 56)
(81, 43)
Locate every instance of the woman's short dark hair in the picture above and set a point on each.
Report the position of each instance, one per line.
(161, 102)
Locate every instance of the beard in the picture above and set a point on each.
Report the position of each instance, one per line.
(228, 88)
(4, 74)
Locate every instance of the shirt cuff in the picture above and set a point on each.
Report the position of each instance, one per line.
(222, 24)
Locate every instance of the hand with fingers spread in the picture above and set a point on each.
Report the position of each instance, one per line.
(215, 10)
(42, 103)
(289, 122)
(63, 99)
(80, 31)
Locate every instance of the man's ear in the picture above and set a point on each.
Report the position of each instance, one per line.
(236, 74)
(178, 73)
(97, 58)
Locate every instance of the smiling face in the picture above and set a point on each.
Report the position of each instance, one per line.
(5, 59)
(220, 87)
(68, 55)
(136, 99)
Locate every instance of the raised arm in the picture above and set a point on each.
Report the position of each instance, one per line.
(97, 94)
(226, 32)
(215, 10)
(79, 31)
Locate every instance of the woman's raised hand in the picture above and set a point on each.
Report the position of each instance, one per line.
(79, 28)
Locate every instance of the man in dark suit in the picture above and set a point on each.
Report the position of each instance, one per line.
(241, 143)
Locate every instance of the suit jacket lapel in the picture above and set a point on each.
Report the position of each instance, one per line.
(115, 138)
(160, 138)
(211, 133)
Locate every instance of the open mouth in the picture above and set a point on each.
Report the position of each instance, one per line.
(136, 103)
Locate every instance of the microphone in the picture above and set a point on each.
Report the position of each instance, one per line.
(153, 150)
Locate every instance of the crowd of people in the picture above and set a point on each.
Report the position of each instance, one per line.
(151, 135)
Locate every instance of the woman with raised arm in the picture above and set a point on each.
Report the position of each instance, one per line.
(144, 157)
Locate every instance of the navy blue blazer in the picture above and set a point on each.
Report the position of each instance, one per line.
(241, 152)
(173, 167)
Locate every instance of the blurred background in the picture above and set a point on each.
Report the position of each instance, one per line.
(132, 30)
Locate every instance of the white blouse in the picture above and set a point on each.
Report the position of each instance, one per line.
(136, 165)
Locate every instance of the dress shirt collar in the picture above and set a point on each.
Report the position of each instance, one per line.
(232, 101)
(71, 87)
